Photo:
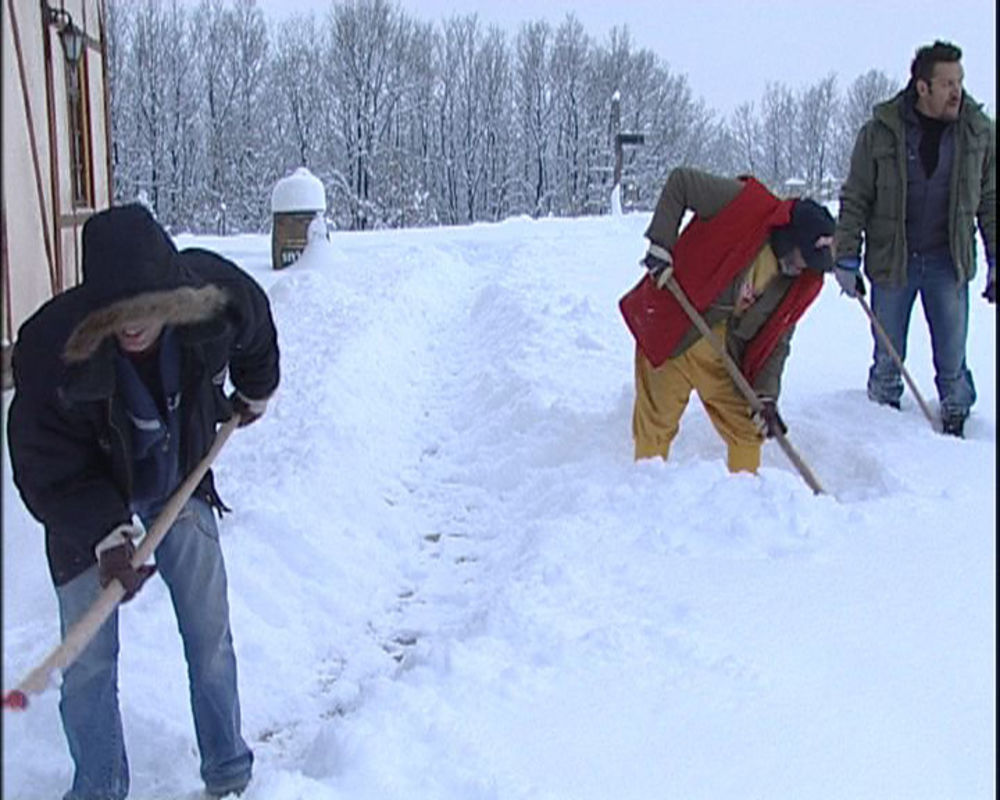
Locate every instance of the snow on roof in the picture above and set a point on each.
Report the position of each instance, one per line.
(300, 191)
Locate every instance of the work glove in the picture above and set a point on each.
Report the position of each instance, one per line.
(659, 262)
(847, 271)
(114, 561)
(991, 285)
(249, 410)
(768, 420)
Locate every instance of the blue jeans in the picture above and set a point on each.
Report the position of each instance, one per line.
(946, 308)
(190, 560)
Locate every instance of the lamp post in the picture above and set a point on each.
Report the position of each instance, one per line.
(619, 140)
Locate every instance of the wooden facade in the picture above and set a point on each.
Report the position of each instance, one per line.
(56, 147)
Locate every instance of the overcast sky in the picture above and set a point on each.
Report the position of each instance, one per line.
(730, 49)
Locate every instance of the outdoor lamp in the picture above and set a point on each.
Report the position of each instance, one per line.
(73, 39)
(72, 42)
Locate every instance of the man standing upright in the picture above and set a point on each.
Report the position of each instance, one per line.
(118, 393)
(923, 173)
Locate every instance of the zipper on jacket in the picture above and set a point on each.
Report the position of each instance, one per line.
(125, 456)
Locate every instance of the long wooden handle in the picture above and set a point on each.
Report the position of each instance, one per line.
(880, 332)
(668, 280)
(86, 627)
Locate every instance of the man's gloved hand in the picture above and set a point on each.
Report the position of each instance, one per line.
(991, 285)
(847, 271)
(768, 420)
(114, 561)
(659, 261)
(249, 410)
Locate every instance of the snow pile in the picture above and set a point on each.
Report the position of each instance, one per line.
(450, 581)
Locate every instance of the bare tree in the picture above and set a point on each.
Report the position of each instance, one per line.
(571, 75)
(533, 96)
(777, 130)
(816, 120)
(862, 95)
(121, 91)
(296, 92)
(369, 42)
(217, 84)
(496, 88)
(745, 130)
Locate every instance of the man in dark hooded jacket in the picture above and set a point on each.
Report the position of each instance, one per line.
(119, 388)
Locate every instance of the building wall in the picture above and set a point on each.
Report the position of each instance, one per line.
(41, 221)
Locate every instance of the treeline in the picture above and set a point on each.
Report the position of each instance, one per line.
(409, 122)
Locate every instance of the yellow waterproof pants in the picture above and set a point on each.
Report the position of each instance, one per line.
(661, 395)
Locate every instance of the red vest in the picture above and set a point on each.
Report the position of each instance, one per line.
(708, 256)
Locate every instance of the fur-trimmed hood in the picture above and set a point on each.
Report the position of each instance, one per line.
(185, 305)
(132, 271)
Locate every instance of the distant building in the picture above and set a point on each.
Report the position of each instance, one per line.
(795, 187)
(56, 148)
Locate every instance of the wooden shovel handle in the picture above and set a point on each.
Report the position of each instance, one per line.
(86, 627)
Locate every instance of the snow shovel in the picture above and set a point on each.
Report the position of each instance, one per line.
(667, 279)
(83, 631)
(876, 325)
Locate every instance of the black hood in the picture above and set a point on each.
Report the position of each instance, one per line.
(126, 253)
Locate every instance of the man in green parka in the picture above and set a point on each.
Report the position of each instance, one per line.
(922, 175)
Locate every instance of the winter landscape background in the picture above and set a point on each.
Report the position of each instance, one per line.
(450, 581)
(428, 113)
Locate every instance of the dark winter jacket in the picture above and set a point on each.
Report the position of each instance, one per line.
(68, 430)
(874, 202)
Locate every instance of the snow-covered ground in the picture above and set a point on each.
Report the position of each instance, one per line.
(450, 581)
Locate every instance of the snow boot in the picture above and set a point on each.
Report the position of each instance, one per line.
(954, 426)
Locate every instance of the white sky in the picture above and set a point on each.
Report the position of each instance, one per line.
(730, 49)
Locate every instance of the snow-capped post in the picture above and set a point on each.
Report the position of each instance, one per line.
(296, 201)
(619, 140)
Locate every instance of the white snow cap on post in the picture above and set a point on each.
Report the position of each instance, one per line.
(300, 191)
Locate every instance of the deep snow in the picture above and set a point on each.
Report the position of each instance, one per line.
(450, 581)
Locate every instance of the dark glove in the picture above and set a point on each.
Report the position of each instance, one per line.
(991, 285)
(249, 410)
(658, 260)
(847, 271)
(114, 562)
(768, 420)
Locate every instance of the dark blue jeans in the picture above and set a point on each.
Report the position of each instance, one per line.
(190, 560)
(946, 308)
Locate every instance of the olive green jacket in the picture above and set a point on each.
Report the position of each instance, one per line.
(873, 198)
(706, 195)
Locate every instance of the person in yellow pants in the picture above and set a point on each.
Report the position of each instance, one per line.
(752, 264)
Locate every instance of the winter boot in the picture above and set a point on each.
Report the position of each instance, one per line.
(954, 426)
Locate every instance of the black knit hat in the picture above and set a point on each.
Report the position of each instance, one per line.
(810, 221)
